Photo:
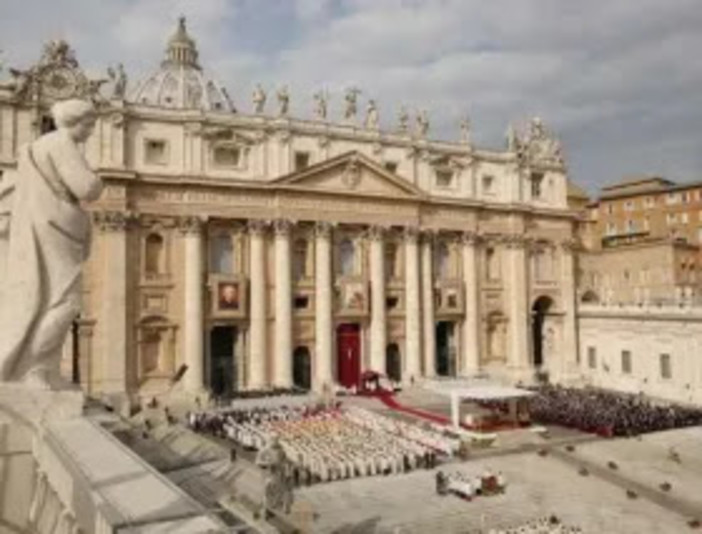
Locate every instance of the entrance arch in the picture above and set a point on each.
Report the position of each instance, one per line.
(393, 362)
(302, 368)
(542, 306)
(222, 360)
(348, 354)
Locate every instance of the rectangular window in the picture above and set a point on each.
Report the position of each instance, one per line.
(155, 152)
(488, 183)
(592, 357)
(684, 218)
(390, 166)
(391, 302)
(666, 370)
(226, 156)
(537, 179)
(649, 202)
(630, 226)
(626, 362)
(302, 160)
(444, 178)
(302, 302)
(611, 229)
(629, 205)
(610, 209)
(647, 224)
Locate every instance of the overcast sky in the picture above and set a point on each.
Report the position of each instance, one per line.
(620, 81)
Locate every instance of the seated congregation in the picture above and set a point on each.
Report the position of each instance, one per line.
(608, 413)
(330, 443)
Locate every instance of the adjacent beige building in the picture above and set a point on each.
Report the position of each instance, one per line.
(260, 249)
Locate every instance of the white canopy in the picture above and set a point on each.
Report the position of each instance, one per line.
(487, 393)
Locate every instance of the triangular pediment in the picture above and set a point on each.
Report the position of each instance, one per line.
(350, 173)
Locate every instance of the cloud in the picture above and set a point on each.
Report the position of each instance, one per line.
(617, 80)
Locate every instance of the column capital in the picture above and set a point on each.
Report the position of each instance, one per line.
(282, 227)
(376, 232)
(191, 224)
(411, 233)
(515, 241)
(570, 245)
(113, 221)
(257, 227)
(323, 228)
(471, 238)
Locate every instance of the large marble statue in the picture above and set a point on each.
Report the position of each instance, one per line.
(49, 239)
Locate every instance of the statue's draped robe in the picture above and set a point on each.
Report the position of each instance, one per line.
(49, 239)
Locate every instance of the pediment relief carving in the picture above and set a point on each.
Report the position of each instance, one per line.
(351, 172)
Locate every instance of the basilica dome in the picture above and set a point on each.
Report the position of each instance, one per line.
(180, 82)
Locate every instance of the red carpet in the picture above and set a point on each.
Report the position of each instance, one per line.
(387, 398)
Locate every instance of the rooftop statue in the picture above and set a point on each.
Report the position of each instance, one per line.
(351, 98)
(283, 101)
(320, 104)
(372, 116)
(422, 123)
(49, 239)
(119, 82)
(465, 131)
(403, 120)
(540, 145)
(259, 99)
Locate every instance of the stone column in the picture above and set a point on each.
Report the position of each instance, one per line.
(471, 321)
(112, 322)
(519, 316)
(428, 318)
(193, 330)
(378, 326)
(569, 338)
(283, 306)
(323, 306)
(413, 335)
(258, 321)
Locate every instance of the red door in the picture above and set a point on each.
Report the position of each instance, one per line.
(348, 346)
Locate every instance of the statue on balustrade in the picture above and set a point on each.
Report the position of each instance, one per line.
(49, 237)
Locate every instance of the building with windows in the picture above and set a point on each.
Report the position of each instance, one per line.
(652, 350)
(256, 249)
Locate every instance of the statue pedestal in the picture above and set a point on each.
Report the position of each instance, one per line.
(40, 406)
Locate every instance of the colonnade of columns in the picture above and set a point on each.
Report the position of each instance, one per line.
(419, 314)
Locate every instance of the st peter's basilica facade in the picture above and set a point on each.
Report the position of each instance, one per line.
(261, 250)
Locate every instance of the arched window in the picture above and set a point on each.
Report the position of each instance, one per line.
(443, 259)
(390, 260)
(222, 254)
(300, 259)
(154, 263)
(347, 257)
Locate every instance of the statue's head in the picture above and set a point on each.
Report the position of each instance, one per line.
(76, 116)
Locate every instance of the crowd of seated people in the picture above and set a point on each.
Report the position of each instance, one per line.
(262, 393)
(467, 486)
(543, 525)
(608, 413)
(329, 443)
